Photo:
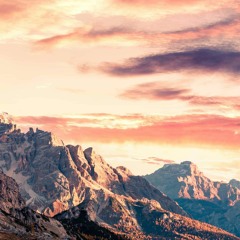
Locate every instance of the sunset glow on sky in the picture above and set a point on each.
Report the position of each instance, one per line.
(143, 82)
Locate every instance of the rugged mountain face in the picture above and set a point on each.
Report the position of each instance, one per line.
(10, 196)
(54, 177)
(216, 203)
(184, 180)
(63, 179)
(155, 224)
(235, 183)
(20, 222)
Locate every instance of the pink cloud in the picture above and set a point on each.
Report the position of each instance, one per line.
(196, 130)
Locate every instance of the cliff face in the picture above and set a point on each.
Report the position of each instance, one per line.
(20, 222)
(184, 180)
(216, 203)
(10, 196)
(54, 177)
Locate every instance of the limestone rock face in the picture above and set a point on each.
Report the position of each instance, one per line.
(184, 180)
(216, 203)
(17, 220)
(54, 177)
(10, 196)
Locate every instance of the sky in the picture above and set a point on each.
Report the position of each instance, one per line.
(145, 83)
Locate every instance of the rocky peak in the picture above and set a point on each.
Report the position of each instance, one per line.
(184, 180)
(6, 118)
(6, 124)
(92, 157)
(183, 169)
(235, 183)
(46, 138)
(124, 170)
(191, 168)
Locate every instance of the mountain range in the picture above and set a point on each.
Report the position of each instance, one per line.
(217, 203)
(75, 194)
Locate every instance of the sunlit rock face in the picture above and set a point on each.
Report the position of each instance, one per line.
(184, 180)
(54, 177)
(216, 203)
(20, 222)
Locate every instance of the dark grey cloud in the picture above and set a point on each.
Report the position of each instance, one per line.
(209, 60)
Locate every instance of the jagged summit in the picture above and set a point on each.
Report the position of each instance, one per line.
(216, 203)
(55, 177)
(124, 170)
(5, 118)
(186, 168)
(185, 180)
(235, 183)
(6, 124)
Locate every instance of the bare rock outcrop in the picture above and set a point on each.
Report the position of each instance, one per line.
(216, 203)
(184, 180)
(20, 222)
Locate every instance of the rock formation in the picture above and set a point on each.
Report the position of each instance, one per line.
(20, 222)
(216, 203)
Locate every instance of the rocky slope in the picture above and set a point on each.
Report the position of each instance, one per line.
(216, 203)
(20, 222)
(54, 177)
(63, 179)
(184, 180)
(153, 221)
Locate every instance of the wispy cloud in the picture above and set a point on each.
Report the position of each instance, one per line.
(86, 35)
(157, 161)
(125, 35)
(161, 91)
(57, 23)
(155, 91)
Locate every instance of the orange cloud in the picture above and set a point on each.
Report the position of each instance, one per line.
(23, 18)
(12, 9)
(55, 22)
(87, 36)
(194, 130)
(8, 10)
